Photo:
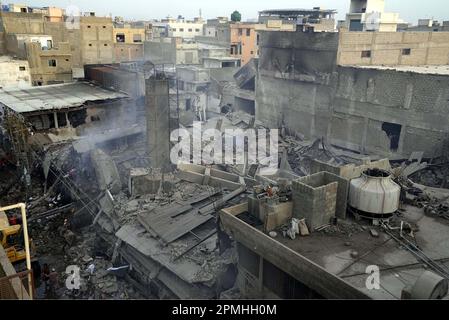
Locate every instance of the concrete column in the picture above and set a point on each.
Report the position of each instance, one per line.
(69, 125)
(55, 116)
(365, 135)
(402, 138)
(158, 121)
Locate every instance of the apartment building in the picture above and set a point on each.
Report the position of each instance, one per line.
(181, 28)
(243, 41)
(370, 15)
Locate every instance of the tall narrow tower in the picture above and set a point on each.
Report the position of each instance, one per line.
(158, 121)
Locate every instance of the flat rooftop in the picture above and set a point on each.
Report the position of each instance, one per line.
(290, 12)
(398, 266)
(436, 70)
(54, 97)
(333, 249)
(222, 58)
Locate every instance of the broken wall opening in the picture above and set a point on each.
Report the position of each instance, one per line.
(393, 132)
(248, 106)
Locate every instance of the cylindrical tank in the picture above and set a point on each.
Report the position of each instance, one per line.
(374, 193)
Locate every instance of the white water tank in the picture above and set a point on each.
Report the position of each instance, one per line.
(374, 194)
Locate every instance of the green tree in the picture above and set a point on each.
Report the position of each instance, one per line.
(236, 16)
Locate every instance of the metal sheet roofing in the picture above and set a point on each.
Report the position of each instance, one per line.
(52, 97)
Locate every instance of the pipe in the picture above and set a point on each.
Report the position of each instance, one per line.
(27, 243)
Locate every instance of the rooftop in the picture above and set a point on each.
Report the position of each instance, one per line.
(297, 11)
(436, 70)
(52, 97)
(333, 248)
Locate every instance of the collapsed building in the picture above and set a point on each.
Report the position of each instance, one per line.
(358, 184)
(376, 92)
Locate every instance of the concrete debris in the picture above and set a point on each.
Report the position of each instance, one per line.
(374, 233)
(436, 176)
(106, 171)
(301, 154)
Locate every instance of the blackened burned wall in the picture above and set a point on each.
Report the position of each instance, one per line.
(294, 82)
(300, 86)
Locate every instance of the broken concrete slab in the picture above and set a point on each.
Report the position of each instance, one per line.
(143, 181)
(106, 171)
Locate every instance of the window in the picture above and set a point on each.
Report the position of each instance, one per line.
(248, 32)
(23, 9)
(67, 60)
(240, 32)
(137, 38)
(90, 44)
(52, 63)
(366, 54)
(49, 44)
(258, 39)
(105, 44)
(120, 37)
(104, 27)
(188, 104)
(234, 49)
(22, 68)
(406, 52)
(181, 29)
(198, 30)
(252, 52)
(174, 29)
(88, 27)
(190, 30)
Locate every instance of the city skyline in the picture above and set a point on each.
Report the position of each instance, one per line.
(141, 9)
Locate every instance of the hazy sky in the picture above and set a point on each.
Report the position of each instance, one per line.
(410, 10)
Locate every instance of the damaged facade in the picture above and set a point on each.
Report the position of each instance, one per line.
(306, 85)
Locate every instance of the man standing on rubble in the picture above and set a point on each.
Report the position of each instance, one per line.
(53, 282)
(67, 234)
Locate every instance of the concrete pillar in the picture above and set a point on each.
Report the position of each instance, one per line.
(364, 135)
(158, 122)
(55, 116)
(69, 125)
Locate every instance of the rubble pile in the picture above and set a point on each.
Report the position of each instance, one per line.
(301, 154)
(433, 206)
(436, 176)
(128, 208)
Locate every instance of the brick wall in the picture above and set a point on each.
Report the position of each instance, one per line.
(426, 48)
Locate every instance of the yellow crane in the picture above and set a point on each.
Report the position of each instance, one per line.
(10, 236)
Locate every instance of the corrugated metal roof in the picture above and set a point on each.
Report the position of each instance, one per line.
(58, 96)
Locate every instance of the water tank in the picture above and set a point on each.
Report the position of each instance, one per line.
(374, 194)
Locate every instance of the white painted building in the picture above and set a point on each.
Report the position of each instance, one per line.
(184, 29)
(14, 73)
(370, 15)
